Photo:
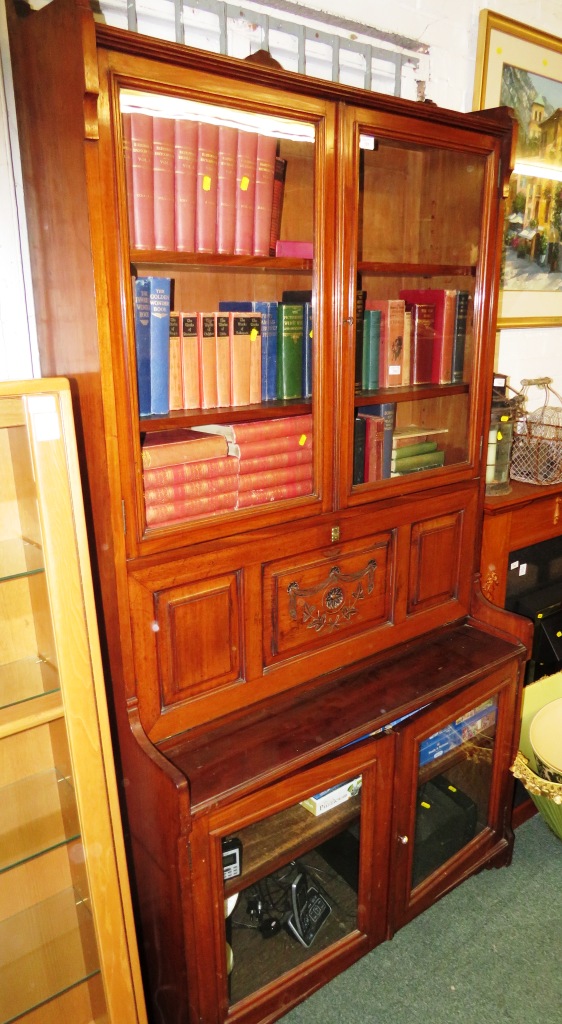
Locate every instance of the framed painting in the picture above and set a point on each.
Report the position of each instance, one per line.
(520, 67)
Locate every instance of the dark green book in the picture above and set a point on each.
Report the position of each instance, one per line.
(359, 434)
(371, 349)
(422, 448)
(290, 336)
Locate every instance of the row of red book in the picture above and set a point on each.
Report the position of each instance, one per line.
(199, 187)
(199, 471)
(417, 338)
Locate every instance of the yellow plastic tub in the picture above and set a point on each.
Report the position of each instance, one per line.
(547, 796)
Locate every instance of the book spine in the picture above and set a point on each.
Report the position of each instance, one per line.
(374, 439)
(175, 398)
(207, 342)
(128, 163)
(422, 448)
(160, 293)
(142, 342)
(263, 496)
(255, 359)
(190, 361)
(273, 460)
(245, 193)
(240, 358)
(205, 469)
(394, 356)
(223, 360)
(289, 350)
(270, 446)
(206, 197)
(163, 147)
(388, 412)
(428, 461)
(294, 248)
(180, 452)
(268, 429)
(275, 477)
(277, 203)
(268, 312)
(143, 180)
(263, 203)
(423, 334)
(359, 440)
(371, 349)
(459, 342)
(360, 299)
(307, 332)
(189, 490)
(407, 367)
(190, 508)
(445, 370)
(226, 188)
(185, 175)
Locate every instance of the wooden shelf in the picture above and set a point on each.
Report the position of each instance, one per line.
(271, 843)
(171, 258)
(417, 269)
(410, 393)
(225, 414)
(19, 558)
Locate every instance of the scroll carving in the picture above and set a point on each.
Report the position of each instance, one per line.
(333, 602)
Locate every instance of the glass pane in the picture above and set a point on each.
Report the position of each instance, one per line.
(418, 243)
(455, 777)
(226, 221)
(297, 886)
(28, 978)
(37, 814)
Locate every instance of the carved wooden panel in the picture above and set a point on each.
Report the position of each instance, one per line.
(198, 637)
(314, 599)
(435, 558)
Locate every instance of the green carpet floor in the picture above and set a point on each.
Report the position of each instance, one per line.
(489, 952)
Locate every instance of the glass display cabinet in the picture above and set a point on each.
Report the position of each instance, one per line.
(66, 931)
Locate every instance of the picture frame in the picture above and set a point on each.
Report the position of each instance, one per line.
(520, 66)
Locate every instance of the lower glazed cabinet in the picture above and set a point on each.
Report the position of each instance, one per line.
(358, 813)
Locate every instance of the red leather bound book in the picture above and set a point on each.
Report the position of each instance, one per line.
(271, 446)
(163, 159)
(263, 203)
(185, 172)
(226, 188)
(445, 301)
(186, 472)
(207, 176)
(171, 447)
(422, 342)
(245, 193)
(128, 161)
(143, 180)
(391, 359)
(264, 495)
(274, 477)
(190, 508)
(374, 436)
(190, 489)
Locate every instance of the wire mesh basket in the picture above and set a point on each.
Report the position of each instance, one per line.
(536, 454)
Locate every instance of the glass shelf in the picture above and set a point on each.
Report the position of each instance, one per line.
(24, 680)
(37, 814)
(46, 950)
(19, 558)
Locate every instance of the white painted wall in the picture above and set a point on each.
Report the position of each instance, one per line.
(448, 27)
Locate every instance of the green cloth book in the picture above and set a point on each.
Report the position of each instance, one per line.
(290, 334)
(431, 460)
(421, 448)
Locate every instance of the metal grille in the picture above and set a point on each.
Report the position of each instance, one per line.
(302, 40)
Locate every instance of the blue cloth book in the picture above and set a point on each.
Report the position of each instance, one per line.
(152, 337)
(268, 312)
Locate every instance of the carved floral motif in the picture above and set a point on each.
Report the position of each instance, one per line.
(333, 602)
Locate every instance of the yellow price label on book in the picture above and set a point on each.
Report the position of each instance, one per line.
(302, 439)
(206, 183)
(244, 182)
(254, 333)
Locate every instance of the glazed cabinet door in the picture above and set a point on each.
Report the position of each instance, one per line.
(300, 876)
(418, 259)
(453, 791)
(66, 953)
(225, 251)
